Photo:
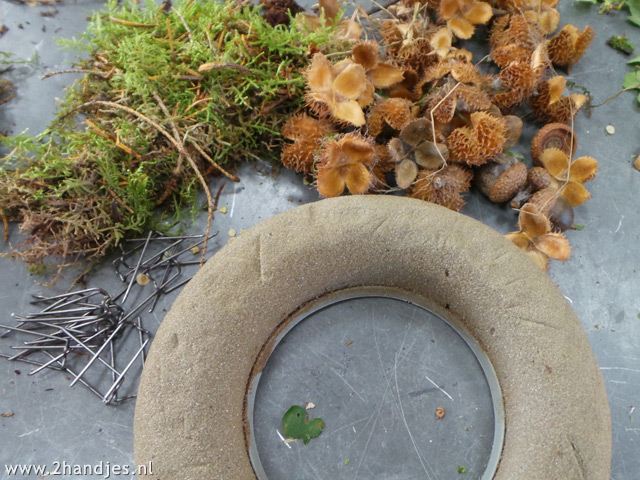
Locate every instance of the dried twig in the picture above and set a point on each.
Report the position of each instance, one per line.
(183, 152)
(5, 222)
(76, 70)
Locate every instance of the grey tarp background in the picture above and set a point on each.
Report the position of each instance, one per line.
(54, 423)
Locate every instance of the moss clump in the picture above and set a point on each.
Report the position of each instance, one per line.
(621, 44)
(169, 95)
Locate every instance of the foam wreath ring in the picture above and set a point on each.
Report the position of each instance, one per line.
(191, 419)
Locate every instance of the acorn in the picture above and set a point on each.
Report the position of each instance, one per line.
(538, 178)
(501, 179)
(553, 135)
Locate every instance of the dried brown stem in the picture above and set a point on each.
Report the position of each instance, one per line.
(121, 202)
(215, 203)
(116, 141)
(183, 153)
(76, 70)
(205, 67)
(5, 222)
(214, 164)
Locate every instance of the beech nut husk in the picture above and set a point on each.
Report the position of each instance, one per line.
(501, 180)
(555, 206)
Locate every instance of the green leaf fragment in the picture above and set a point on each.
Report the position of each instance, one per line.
(634, 11)
(296, 424)
(632, 81)
(514, 154)
(347, 461)
(461, 470)
(634, 61)
(578, 227)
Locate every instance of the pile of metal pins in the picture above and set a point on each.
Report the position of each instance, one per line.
(82, 333)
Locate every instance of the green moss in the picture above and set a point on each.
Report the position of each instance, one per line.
(621, 44)
(80, 187)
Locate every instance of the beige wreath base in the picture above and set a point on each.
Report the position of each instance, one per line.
(191, 413)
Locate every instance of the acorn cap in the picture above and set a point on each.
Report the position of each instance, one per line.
(553, 135)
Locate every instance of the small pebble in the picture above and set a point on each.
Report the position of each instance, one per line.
(142, 279)
(610, 129)
(232, 232)
(195, 249)
(636, 164)
(223, 209)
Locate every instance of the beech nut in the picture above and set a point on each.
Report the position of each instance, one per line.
(514, 130)
(501, 180)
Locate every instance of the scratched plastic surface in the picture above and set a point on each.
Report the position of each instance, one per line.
(52, 422)
(376, 369)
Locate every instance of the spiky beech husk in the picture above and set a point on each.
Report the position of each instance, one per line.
(394, 112)
(444, 186)
(345, 162)
(569, 44)
(477, 145)
(307, 133)
(550, 106)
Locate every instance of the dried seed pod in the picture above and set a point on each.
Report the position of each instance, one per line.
(555, 206)
(416, 131)
(550, 105)
(569, 44)
(477, 145)
(344, 163)
(444, 187)
(431, 155)
(501, 180)
(366, 54)
(395, 112)
(406, 173)
(306, 132)
(553, 135)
